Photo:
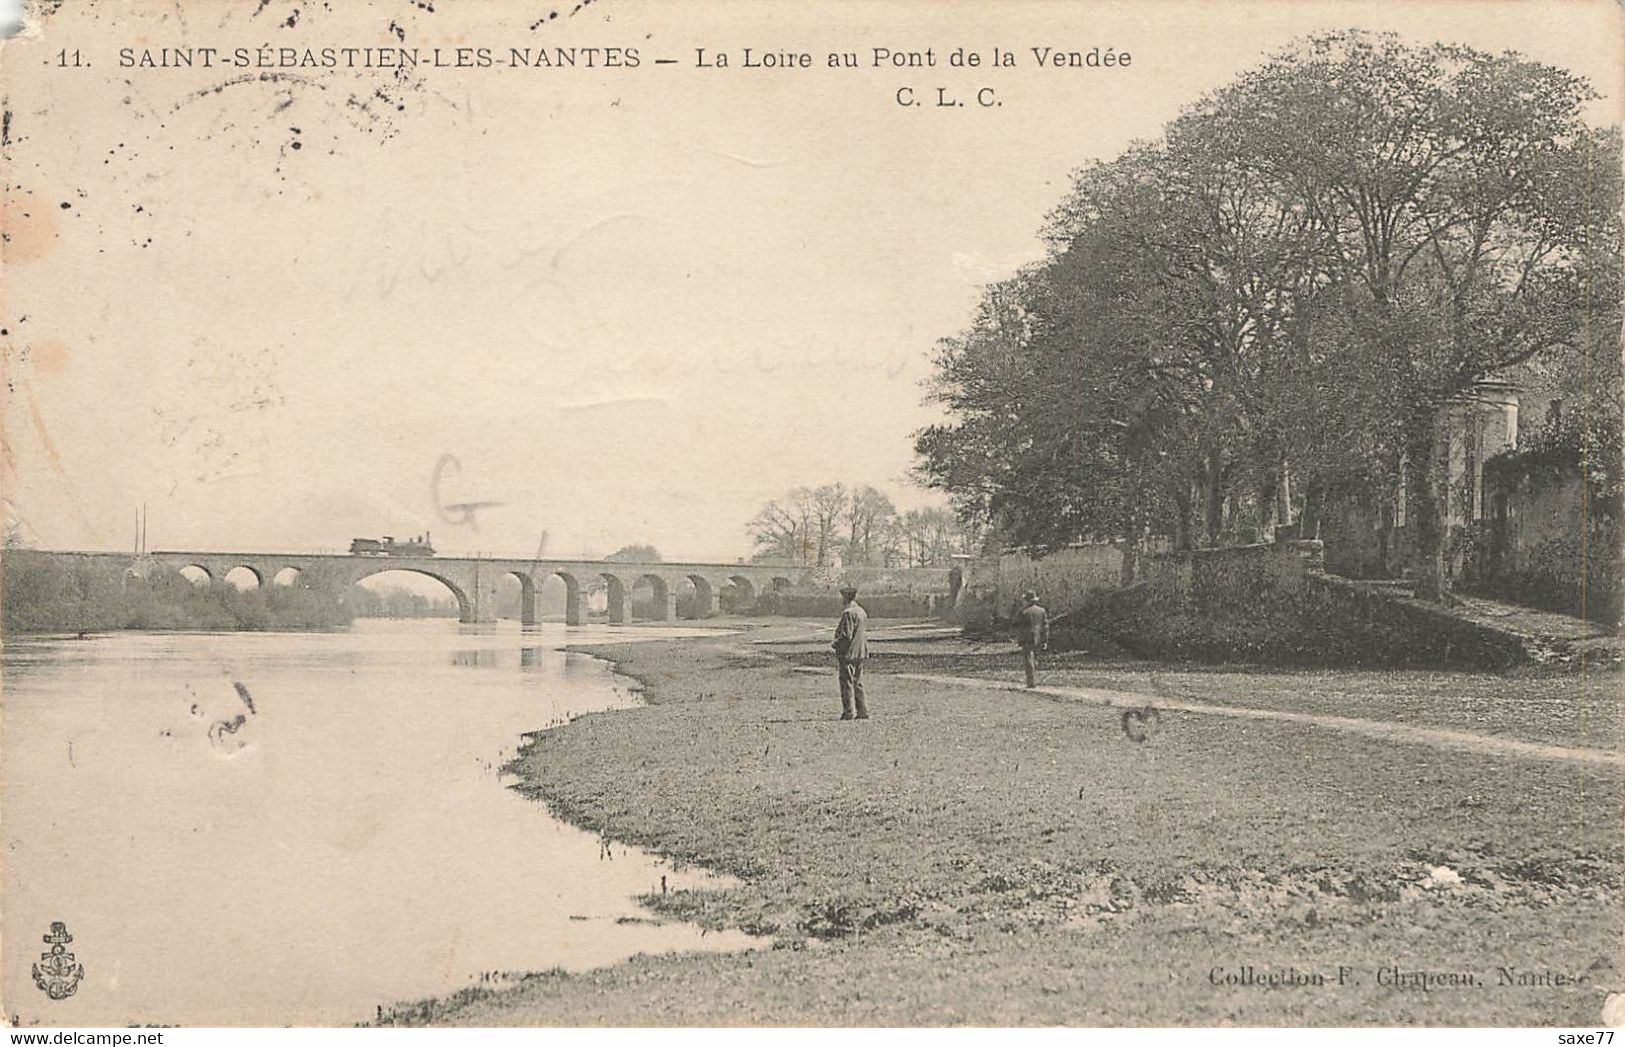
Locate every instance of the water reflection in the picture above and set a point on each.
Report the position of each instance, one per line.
(544, 660)
(294, 828)
(476, 659)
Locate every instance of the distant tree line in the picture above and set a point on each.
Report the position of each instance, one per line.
(48, 594)
(638, 552)
(1267, 308)
(45, 594)
(859, 526)
(395, 602)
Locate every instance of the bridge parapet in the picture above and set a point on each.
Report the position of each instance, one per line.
(473, 580)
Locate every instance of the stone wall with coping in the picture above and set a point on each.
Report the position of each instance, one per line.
(1267, 603)
(1274, 604)
(1063, 579)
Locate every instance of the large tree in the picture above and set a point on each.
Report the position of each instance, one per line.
(868, 513)
(826, 505)
(781, 529)
(1279, 297)
(1468, 211)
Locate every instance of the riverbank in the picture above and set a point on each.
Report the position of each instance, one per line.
(39, 595)
(978, 856)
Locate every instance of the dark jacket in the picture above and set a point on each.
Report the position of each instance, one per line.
(851, 634)
(1032, 626)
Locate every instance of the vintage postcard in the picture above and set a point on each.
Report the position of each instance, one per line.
(710, 513)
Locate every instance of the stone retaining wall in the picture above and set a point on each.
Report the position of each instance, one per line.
(1274, 605)
(1268, 603)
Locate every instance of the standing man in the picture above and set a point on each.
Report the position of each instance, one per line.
(851, 648)
(1032, 633)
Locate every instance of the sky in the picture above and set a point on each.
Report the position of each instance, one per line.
(285, 308)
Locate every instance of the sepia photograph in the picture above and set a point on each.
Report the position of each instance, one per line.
(861, 514)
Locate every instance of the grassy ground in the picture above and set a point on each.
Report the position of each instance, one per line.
(997, 858)
(1564, 708)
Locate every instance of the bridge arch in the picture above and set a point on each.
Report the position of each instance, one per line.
(575, 611)
(619, 597)
(289, 575)
(744, 595)
(664, 604)
(528, 587)
(197, 574)
(235, 577)
(465, 606)
(703, 602)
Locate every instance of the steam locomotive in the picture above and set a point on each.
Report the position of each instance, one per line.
(388, 546)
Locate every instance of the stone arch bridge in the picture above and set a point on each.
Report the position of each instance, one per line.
(473, 580)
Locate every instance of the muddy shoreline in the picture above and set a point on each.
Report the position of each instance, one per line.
(972, 857)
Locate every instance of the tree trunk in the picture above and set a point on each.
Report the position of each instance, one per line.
(1131, 541)
(1283, 496)
(1182, 521)
(1213, 499)
(1264, 504)
(1314, 502)
(1385, 541)
(1425, 509)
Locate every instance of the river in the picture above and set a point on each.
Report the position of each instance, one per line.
(295, 828)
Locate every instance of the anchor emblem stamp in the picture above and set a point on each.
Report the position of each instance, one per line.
(57, 974)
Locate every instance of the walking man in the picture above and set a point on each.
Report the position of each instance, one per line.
(1032, 633)
(851, 648)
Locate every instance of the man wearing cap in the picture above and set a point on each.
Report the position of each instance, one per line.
(851, 648)
(1032, 633)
